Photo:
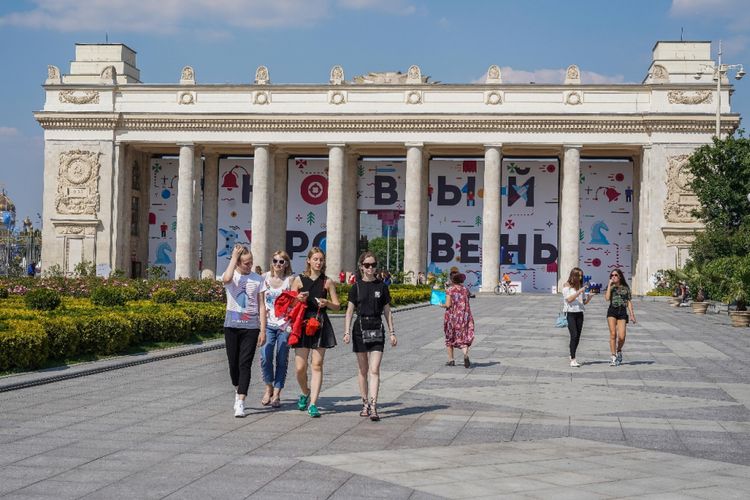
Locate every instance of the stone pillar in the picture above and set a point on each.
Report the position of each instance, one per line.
(335, 211)
(416, 215)
(642, 223)
(351, 215)
(195, 243)
(570, 204)
(262, 226)
(491, 218)
(210, 215)
(280, 188)
(119, 234)
(184, 262)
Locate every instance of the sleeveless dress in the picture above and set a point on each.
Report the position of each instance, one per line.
(324, 337)
(458, 324)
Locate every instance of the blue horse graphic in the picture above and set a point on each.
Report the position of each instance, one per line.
(230, 238)
(597, 234)
(163, 256)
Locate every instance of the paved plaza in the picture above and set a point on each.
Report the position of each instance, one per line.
(672, 422)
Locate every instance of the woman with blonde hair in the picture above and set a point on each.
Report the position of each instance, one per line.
(277, 280)
(371, 299)
(319, 292)
(575, 299)
(244, 322)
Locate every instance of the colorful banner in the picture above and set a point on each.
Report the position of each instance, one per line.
(235, 209)
(306, 208)
(454, 239)
(606, 227)
(528, 239)
(381, 184)
(162, 214)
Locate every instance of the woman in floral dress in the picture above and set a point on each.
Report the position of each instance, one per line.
(458, 324)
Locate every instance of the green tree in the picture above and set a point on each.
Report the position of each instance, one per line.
(379, 246)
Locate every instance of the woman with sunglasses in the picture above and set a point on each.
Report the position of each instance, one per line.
(277, 280)
(371, 299)
(314, 287)
(575, 299)
(620, 303)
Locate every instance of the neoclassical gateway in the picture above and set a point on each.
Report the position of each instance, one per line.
(528, 179)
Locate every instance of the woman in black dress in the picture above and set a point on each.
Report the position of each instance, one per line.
(314, 287)
(370, 298)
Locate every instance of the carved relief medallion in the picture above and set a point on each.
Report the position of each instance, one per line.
(414, 75)
(681, 97)
(186, 98)
(493, 74)
(53, 75)
(572, 75)
(660, 74)
(493, 97)
(261, 98)
(187, 75)
(337, 97)
(680, 200)
(414, 97)
(77, 183)
(337, 75)
(261, 76)
(574, 98)
(74, 97)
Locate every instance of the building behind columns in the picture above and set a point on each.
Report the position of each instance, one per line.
(488, 178)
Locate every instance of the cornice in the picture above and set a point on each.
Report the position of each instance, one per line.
(388, 123)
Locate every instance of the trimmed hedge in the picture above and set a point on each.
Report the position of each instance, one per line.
(43, 299)
(105, 334)
(164, 296)
(108, 296)
(23, 345)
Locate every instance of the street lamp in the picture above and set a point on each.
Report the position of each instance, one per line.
(719, 71)
(28, 231)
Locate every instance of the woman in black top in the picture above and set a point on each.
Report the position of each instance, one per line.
(371, 299)
(314, 287)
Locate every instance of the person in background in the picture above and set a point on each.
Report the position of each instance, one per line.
(620, 303)
(575, 299)
(371, 300)
(258, 270)
(458, 324)
(244, 321)
(342, 276)
(277, 280)
(31, 269)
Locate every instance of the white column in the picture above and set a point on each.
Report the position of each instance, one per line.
(415, 223)
(351, 216)
(491, 218)
(569, 213)
(335, 217)
(118, 248)
(262, 206)
(210, 214)
(184, 263)
(195, 246)
(642, 223)
(280, 187)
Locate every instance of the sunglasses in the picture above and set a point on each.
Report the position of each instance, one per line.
(614, 275)
(279, 261)
(368, 265)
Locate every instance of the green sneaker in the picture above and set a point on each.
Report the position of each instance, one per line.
(313, 411)
(302, 402)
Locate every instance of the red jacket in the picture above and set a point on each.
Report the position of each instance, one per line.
(288, 307)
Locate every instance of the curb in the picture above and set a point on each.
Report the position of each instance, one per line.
(123, 362)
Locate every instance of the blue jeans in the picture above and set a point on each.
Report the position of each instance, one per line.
(276, 342)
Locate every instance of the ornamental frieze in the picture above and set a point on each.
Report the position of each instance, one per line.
(681, 97)
(77, 183)
(76, 97)
(680, 200)
(72, 229)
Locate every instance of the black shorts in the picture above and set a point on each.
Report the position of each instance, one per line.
(358, 345)
(618, 313)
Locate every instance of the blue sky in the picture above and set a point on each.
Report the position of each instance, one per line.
(300, 40)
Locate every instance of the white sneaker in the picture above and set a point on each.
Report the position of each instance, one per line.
(574, 363)
(236, 398)
(239, 408)
(613, 362)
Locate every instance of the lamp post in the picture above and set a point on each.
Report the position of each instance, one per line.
(28, 231)
(718, 72)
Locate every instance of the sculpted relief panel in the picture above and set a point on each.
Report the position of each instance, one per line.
(78, 183)
(680, 200)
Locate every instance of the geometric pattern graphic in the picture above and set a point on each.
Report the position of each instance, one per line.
(162, 216)
(235, 207)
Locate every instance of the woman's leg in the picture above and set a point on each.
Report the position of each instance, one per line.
(282, 362)
(375, 358)
(318, 355)
(266, 363)
(233, 349)
(248, 344)
(300, 363)
(362, 368)
(621, 332)
(572, 333)
(612, 324)
(449, 348)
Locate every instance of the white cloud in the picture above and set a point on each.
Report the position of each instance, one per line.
(8, 132)
(555, 76)
(734, 12)
(169, 16)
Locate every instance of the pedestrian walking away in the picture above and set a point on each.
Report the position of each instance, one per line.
(620, 303)
(575, 299)
(458, 324)
(319, 292)
(276, 348)
(244, 322)
(371, 300)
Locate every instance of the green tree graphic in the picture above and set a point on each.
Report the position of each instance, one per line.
(310, 218)
(478, 221)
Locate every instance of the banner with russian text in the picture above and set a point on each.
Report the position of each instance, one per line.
(162, 214)
(306, 208)
(235, 209)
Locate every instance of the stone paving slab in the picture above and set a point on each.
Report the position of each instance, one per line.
(672, 422)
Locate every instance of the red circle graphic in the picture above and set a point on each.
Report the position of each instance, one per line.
(596, 262)
(314, 189)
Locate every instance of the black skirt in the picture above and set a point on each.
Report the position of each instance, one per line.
(324, 338)
(358, 345)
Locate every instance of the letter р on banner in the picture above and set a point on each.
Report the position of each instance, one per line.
(456, 194)
(528, 240)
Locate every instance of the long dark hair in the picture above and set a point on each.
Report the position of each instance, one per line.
(622, 281)
(575, 278)
(362, 257)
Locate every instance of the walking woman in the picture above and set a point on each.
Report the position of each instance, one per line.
(458, 324)
(575, 299)
(371, 299)
(320, 294)
(620, 303)
(244, 322)
(277, 280)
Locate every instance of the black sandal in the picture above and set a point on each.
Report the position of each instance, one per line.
(374, 411)
(467, 364)
(365, 409)
(450, 363)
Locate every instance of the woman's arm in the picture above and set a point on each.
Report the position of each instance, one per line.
(608, 292)
(389, 323)
(632, 312)
(332, 304)
(348, 321)
(263, 317)
(448, 302)
(571, 297)
(229, 272)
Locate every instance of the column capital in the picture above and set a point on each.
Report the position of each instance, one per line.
(336, 145)
(260, 145)
(414, 144)
(572, 146)
(186, 144)
(498, 145)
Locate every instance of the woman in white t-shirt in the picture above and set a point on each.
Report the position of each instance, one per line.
(277, 280)
(244, 322)
(575, 299)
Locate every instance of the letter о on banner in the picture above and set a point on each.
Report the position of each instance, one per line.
(306, 208)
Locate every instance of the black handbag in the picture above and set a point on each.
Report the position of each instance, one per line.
(372, 329)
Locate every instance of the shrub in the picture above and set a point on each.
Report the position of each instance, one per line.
(23, 345)
(108, 296)
(42, 299)
(62, 335)
(105, 333)
(206, 319)
(159, 324)
(4, 293)
(164, 296)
